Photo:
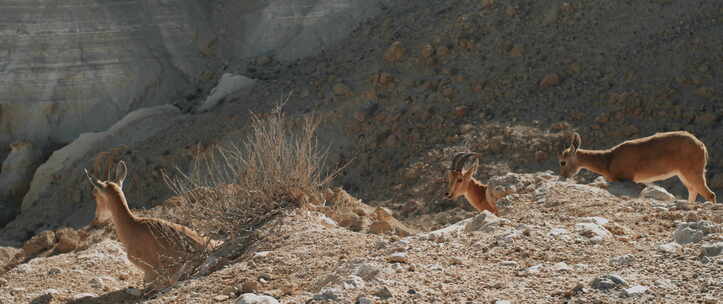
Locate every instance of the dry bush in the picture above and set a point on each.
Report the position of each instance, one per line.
(234, 189)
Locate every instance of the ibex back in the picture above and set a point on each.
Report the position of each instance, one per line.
(644, 160)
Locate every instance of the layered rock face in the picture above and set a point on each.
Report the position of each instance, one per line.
(79, 66)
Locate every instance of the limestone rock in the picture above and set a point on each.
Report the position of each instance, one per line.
(250, 298)
(656, 192)
(227, 85)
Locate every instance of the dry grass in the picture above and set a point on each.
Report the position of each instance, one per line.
(234, 189)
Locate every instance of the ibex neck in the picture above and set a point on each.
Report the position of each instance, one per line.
(597, 161)
(476, 195)
(121, 213)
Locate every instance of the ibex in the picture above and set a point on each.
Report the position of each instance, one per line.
(461, 182)
(162, 250)
(645, 160)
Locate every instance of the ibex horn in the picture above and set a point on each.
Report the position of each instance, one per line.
(460, 159)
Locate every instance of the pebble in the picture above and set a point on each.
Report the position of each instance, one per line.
(671, 247)
(398, 257)
(220, 298)
(713, 249)
(622, 260)
(607, 281)
(250, 298)
(83, 296)
(634, 291)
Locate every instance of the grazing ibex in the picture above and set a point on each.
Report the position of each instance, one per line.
(162, 250)
(645, 160)
(462, 182)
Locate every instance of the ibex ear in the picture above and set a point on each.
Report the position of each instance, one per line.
(575, 143)
(121, 172)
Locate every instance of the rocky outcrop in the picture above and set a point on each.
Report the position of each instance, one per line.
(80, 66)
(17, 171)
(48, 202)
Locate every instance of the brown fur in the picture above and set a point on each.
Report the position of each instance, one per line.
(161, 249)
(646, 159)
(462, 183)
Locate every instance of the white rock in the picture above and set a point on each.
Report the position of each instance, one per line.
(353, 282)
(687, 235)
(712, 249)
(593, 232)
(656, 192)
(250, 298)
(671, 247)
(534, 269)
(84, 295)
(594, 219)
(562, 267)
(559, 233)
(227, 85)
(262, 253)
(397, 257)
(622, 260)
(635, 291)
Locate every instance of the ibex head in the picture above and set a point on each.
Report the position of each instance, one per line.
(458, 178)
(105, 191)
(568, 158)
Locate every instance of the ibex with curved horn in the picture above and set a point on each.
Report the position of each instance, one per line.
(645, 160)
(462, 182)
(161, 249)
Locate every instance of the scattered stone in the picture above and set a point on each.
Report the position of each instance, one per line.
(455, 260)
(704, 227)
(685, 235)
(682, 205)
(561, 267)
(83, 296)
(220, 298)
(96, 283)
(665, 284)
(397, 257)
(24, 268)
(607, 281)
(503, 302)
(550, 80)
(671, 247)
(595, 219)
(39, 243)
(508, 263)
(713, 249)
(534, 269)
(364, 300)
(383, 293)
(623, 260)
(367, 271)
(485, 221)
(593, 232)
(353, 282)
(250, 298)
(656, 192)
(558, 232)
(54, 271)
(134, 291)
(249, 286)
(634, 291)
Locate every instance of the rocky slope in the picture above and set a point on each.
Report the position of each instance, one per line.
(555, 242)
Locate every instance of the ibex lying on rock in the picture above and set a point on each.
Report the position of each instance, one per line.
(645, 160)
(462, 182)
(162, 250)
